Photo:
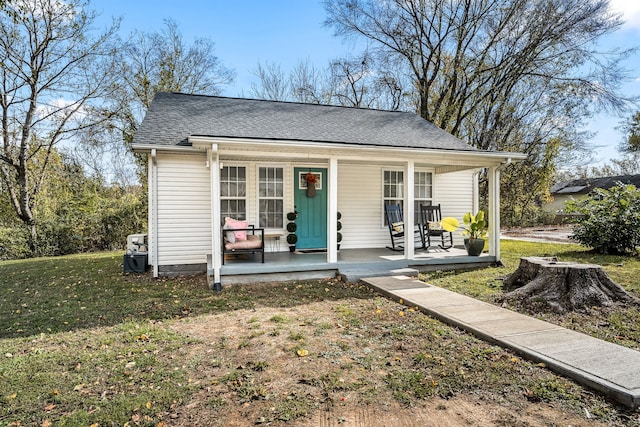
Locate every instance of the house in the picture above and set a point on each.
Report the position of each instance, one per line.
(214, 157)
(577, 188)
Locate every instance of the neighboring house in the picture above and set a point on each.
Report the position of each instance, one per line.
(214, 157)
(577, 188)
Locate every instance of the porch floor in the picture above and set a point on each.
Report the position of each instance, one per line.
(352, 264)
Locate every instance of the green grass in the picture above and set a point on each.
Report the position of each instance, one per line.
(51, 295)
(619, 324)
(82, 344)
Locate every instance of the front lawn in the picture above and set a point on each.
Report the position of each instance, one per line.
(85, 345)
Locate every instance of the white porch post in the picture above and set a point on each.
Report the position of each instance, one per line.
(494, 212)
(409, 250)
(216, 238)
(332, 202)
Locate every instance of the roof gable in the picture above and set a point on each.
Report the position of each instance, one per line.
(173, 117)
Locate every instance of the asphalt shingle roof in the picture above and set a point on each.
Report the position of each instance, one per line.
(586, 185)
(173, 117)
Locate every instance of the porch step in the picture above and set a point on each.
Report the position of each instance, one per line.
(354, 274)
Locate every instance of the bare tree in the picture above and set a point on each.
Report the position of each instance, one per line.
(517, 75)
(149, 63)
(353, 82)
(163, 62)
(54, 79)
(273, 84)
(469, 60)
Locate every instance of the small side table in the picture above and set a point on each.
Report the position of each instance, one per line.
(274, 241)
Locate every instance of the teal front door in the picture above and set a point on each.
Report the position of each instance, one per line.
(312, 209)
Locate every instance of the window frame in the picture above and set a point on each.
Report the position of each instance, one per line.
(236, 197)
(281, 198)
(400, 199)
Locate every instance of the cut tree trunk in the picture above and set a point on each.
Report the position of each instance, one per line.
(563, 286)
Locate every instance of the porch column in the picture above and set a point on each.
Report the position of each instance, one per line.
(494, 211)
(332, 205)
(409, 237)
(216, 242)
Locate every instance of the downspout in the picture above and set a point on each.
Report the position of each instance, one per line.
(153, 211)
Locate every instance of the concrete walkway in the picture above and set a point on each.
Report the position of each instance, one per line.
(609, 368)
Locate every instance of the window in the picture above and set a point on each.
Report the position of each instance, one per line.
(393, 191)
(423, 192)
(233, 192)
(271, 197)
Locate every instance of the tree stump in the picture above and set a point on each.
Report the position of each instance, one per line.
(563, 286)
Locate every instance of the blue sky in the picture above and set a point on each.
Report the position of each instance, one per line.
(247, 32)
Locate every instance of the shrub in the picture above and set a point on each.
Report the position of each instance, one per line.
(608, 220)
(14, 243)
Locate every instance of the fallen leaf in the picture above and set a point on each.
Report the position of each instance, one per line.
(50, 407)
(148, 405)
(46, 423)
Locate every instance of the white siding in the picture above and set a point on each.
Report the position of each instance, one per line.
(360, 201)
(184, 209)
(454, 192)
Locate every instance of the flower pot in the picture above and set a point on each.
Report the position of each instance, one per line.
(311, 189)
(474, 247)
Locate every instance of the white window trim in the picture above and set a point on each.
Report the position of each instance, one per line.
(392, 169)
(246, 177)
(283, 197)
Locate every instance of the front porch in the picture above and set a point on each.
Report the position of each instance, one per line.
(352, 264)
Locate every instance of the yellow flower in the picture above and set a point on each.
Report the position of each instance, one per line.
(302, 352)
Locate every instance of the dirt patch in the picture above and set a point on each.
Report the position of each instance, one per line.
(543, 233)
(363, 363)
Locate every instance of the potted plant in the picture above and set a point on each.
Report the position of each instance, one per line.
(475, 227)
(311, 180)
(339, 227)
(292, 238)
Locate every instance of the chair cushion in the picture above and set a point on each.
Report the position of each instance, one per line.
(253, 242)
(398, 227)
(435, 226)
(236, 224)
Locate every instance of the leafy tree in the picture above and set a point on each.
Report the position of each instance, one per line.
(631, 128)
(609, 220)
(55, 77)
